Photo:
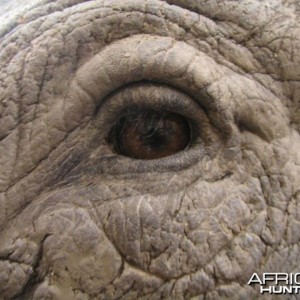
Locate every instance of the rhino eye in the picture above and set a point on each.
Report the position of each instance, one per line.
(150, 134)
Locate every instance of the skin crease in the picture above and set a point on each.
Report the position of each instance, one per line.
(78, 221)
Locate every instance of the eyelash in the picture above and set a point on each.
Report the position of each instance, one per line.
(136, 97)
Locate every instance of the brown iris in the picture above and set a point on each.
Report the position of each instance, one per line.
(150, 134)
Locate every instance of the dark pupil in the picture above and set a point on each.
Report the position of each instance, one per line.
(151, 134)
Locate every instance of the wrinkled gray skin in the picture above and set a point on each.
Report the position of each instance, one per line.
(78, 221)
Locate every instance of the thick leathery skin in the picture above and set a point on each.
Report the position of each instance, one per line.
(78, 221)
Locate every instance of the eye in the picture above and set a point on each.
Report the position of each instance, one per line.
(149, 127)
(150, 134)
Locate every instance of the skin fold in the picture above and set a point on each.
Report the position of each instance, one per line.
(79, 221)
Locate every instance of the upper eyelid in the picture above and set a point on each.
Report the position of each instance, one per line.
(122, 69)
(144, 96)
(144, 57)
